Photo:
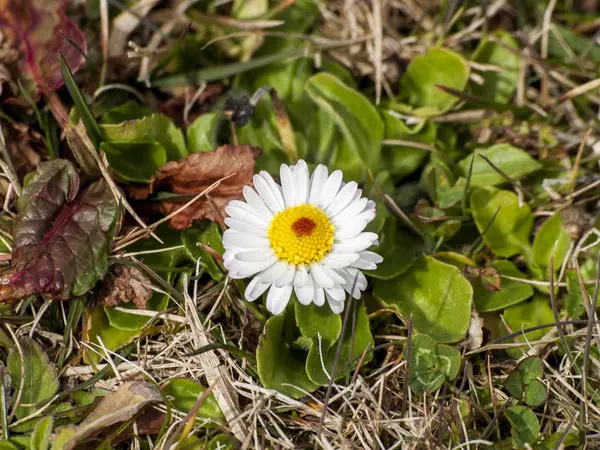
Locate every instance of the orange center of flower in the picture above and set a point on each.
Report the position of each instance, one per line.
(301, 234)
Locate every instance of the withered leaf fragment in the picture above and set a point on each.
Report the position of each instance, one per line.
(126, 284)
(37, 29)
(197, 172)
(61, 238)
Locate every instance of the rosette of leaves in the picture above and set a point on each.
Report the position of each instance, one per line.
(297, 350)
(524, 383)
(431, 364)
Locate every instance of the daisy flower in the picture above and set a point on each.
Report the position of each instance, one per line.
(304, 236)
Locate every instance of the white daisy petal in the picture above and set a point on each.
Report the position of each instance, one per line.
(342, 199)
(275, 189)
(333, 274)
(301, 179)
(274, 272)
(350, 229)
(336, 293)
(304, 292)
(317, 182)
(319, 298)
(254, 255)
(287, 184)
(266, 192)
(356, 244)
(245, 227)
(368, 215)
(242, 209)
(320, 276)
(336, 307)
(302, 276)
(287, 277)
(278, 298)
(232, 238)
(356, 282)
(340, 260)
(363, 264)
(238, 269)
(371, 256)
(330, 189)
(236, 212)
(351, 211)
(257, 203)
(367, 261)
(255, 289)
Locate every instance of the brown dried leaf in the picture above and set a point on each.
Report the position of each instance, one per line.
(126, 284)
(197, 172)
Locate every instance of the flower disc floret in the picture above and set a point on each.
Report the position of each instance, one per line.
(301, 234)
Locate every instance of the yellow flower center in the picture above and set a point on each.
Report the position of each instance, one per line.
(301, 234)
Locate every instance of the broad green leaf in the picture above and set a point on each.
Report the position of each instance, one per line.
(403, 160)
(531, 369)
(436, 294)
(137, 162)
(514, 384)
(529, 314)
(535, 394)
(513, 161)
(129, 110)
(431, 364)
(186, 393)
(281, 367)
(437, 66)
(209, 236)
(201, 135)
(398, 248)
(576, 44)
(157, 128)
(511, 292)
(61, 236)
(573, 300)
(99, 328)
(497, 86)
(352, 347)
(508, 233)
(40, 381)
(552, 233)
(551, 441)
(314, 321)
(7, 445)
(40, 439)
(525, 426)
(358, 120)
(220, 442)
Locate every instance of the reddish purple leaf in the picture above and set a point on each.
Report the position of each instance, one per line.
(37, 28)
(61, 238)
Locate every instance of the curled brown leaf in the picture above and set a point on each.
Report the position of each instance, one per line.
(126, 284)
(197, 172)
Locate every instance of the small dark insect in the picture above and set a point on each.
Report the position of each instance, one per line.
(241, 109)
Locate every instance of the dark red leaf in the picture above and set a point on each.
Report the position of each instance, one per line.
(61, 239)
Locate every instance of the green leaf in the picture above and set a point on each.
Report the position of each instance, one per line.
(575, 44)
(573, 300)
(155, 128)
(403, 160)
(513, 161)
(551, 233)
(186, 393)
(437, 66)
(7, 445)
(40, 380)
(352, 347)
(531, 369)
(436, 294)
(525, 426)
(358, 120)
(514, 384)
(535, 394)
(497, 86)
(220, 442)
(398, 248)
(281, 367)
(40, 439)
(313, 320)
(210, 236)
(508, 234)
(529, 314)
(99, 328)
(431, 364)
(511, 291)
(61, 237)
(137, 162)
(201, 135)
(129, 110)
